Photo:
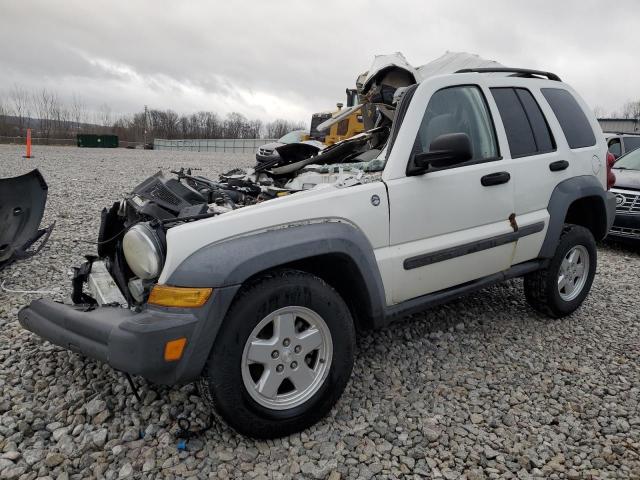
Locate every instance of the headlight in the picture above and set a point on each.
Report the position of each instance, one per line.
(143, 251)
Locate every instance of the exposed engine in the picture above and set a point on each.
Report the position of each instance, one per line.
(132, 236)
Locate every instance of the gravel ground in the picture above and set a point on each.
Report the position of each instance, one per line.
(480, 388)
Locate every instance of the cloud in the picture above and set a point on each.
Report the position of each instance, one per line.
(286, 58)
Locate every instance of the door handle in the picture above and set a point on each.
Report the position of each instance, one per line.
(495, 179)
(558, 165)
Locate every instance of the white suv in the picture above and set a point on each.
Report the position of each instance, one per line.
(485, 176)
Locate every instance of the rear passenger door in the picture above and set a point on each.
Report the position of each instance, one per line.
(536, 165)
(550, 140)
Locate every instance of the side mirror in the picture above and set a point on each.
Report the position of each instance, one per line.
(445, 151)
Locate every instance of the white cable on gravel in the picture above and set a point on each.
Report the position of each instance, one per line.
(41, 292)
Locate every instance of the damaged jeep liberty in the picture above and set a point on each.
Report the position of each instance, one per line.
(254, 285)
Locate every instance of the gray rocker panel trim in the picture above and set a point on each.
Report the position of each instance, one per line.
(473, 247)
(565, 193)
(233, 261)
(430, 300)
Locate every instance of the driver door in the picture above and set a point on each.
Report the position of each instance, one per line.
(447, 227)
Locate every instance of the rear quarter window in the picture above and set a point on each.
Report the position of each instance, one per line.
(571, 117)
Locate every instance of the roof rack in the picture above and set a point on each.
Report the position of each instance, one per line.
(521, 72)
(614, 132)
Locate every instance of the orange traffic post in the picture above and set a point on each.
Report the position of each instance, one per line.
(28, 155)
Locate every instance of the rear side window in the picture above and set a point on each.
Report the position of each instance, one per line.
(631, 143)
(525, 125)
(572, 119)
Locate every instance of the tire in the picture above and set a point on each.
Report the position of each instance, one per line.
(261, 319)
(544, 289)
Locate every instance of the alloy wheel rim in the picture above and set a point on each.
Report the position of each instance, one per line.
(573, 273)
(287, 358)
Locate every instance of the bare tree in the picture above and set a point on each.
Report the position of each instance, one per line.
(631, 110)
(233, 125)
(280, 127)
(78, 111)
(4, 112)
(599, 112)
(44, 103)
(55, 118)
(104, 115)
(61, 118)
(20, 102)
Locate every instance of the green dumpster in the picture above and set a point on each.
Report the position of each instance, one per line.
(90, 140)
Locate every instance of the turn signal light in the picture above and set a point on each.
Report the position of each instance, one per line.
(173, 349)
(185, 297)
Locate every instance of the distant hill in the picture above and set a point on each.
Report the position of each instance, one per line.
(9, 125)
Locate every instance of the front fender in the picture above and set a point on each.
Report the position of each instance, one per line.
(233, 261)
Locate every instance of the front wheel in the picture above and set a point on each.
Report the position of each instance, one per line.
(561, 288)
(283, 355)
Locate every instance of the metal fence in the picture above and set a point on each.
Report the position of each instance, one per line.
(232, 145)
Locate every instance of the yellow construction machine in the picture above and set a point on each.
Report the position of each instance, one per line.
(331, 127)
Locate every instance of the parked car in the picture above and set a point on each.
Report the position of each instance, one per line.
(482, 178)
(627, 192)
(269, 153)
(621, 143)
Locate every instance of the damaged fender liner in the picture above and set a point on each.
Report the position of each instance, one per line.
(22, 203)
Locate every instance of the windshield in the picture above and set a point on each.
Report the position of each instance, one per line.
(293, 137)
(630, 161)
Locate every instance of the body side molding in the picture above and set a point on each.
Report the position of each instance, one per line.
(399, 310)
(472, 247)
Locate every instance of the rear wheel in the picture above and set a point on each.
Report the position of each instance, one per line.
(561, 288)
(283, 355)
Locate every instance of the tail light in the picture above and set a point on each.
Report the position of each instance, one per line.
(611, 178)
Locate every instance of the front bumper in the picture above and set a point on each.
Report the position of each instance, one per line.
(626, 226)
(128, 341)
(627, 215)
(611, 209)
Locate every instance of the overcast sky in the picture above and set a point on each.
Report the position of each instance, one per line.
(269, 59)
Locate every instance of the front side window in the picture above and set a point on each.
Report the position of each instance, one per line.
(571, 117)
(459, 110)
(615, 147)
